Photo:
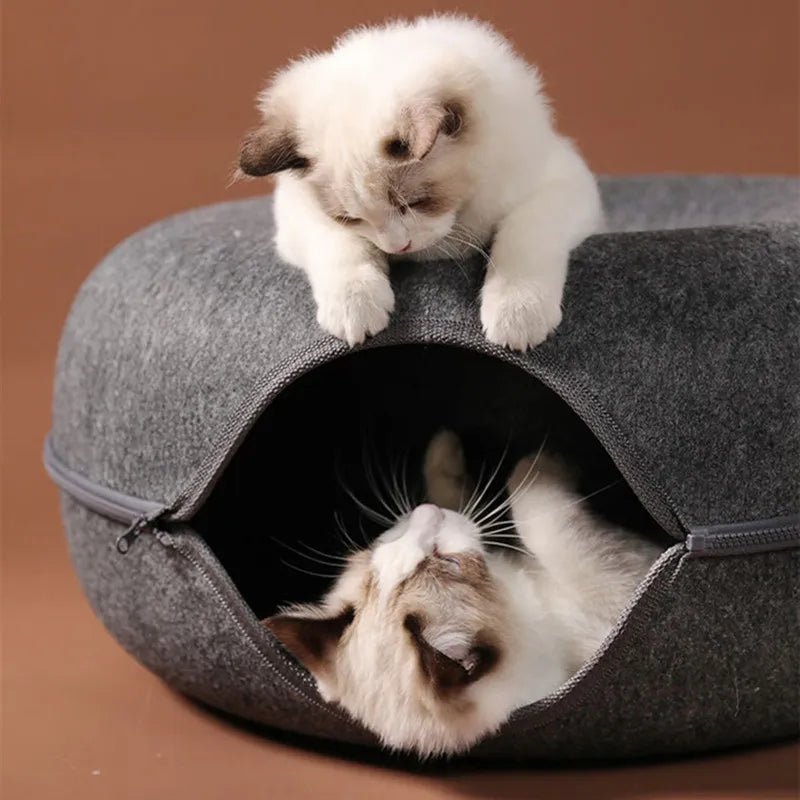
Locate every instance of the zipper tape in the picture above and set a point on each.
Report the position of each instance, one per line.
(738, 538)
(140, 515)
(744, 538)
(108, 502)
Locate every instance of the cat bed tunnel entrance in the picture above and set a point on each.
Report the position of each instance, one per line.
(348, 438)
(193, 381)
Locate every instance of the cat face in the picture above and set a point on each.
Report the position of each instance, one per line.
(401, 191)
(389, 158)
(411, 637)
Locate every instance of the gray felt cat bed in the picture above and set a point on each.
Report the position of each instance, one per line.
(200, 412)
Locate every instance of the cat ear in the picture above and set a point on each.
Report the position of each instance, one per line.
(311, 640)
(447, 483)
(270, 148)
(420, 126)
(446, 674)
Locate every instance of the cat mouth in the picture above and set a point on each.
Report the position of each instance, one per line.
(406, 248)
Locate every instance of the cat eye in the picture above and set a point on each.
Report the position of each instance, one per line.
(421, 204)
(451, 560)
(343, 219)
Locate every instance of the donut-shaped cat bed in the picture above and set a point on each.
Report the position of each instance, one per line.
(202, 421)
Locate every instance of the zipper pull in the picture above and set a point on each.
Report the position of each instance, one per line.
(144, 524)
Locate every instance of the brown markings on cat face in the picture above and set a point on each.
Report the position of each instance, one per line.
(428, 198)
(311, 640)
(269, 149)
(403, 194)
(397, 633)
(462, 597)
(449, 676)
(399, 178)
(420, 126)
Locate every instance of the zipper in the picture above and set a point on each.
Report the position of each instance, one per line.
(142, 525)
(140, 515)
(745, 538)
(144, 516)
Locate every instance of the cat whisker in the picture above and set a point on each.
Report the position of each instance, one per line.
(379, 486)
(323, 554)
(505, 546)
(476, 503)
(555, 510)
(296, 551)
(406, 493)
(370, 512)
(491, 511)
(476, 510)
(500, 527)
(308, 572)
(466, 508)
(451, 255)
(364, 537)
(351, 544)
(401, 499)
(524, 483)
(472, 244)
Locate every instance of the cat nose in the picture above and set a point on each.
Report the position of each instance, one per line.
(424, 523)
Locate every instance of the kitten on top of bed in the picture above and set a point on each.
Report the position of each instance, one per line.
(431, 637)
(425, 140)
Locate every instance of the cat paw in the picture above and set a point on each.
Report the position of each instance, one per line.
(543, 469)
(445, 456)
(358, 307)
(446, 480)
(517, 317)
(557, 469)
(522, 475)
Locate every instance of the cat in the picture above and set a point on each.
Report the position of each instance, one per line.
(422, 139)
(431, 637)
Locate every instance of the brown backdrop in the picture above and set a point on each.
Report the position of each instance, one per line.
(116, 113)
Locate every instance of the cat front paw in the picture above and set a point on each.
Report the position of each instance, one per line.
(542, 470)
(357, 307)
(518, 316)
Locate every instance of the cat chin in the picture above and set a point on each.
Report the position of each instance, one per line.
(429, 737)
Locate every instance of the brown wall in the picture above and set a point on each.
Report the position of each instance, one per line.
(117, 112)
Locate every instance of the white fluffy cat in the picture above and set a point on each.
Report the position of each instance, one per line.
(424, 140)
(432, 639)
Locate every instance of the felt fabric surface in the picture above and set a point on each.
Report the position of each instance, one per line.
(191, 354)
(706, 658)
(678, 348)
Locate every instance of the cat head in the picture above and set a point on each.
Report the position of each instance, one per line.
(413, 638)
(383, 136)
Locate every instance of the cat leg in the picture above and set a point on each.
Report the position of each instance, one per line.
(521, 298)
(446, 481)
(547, 513)
(594, 559)
(349, 277)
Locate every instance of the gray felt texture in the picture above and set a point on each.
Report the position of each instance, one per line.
(706, 657)
(679, 349)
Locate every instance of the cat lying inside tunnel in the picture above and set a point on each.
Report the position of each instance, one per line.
(436, 632)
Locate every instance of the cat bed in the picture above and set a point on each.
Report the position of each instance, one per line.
(204, 428)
